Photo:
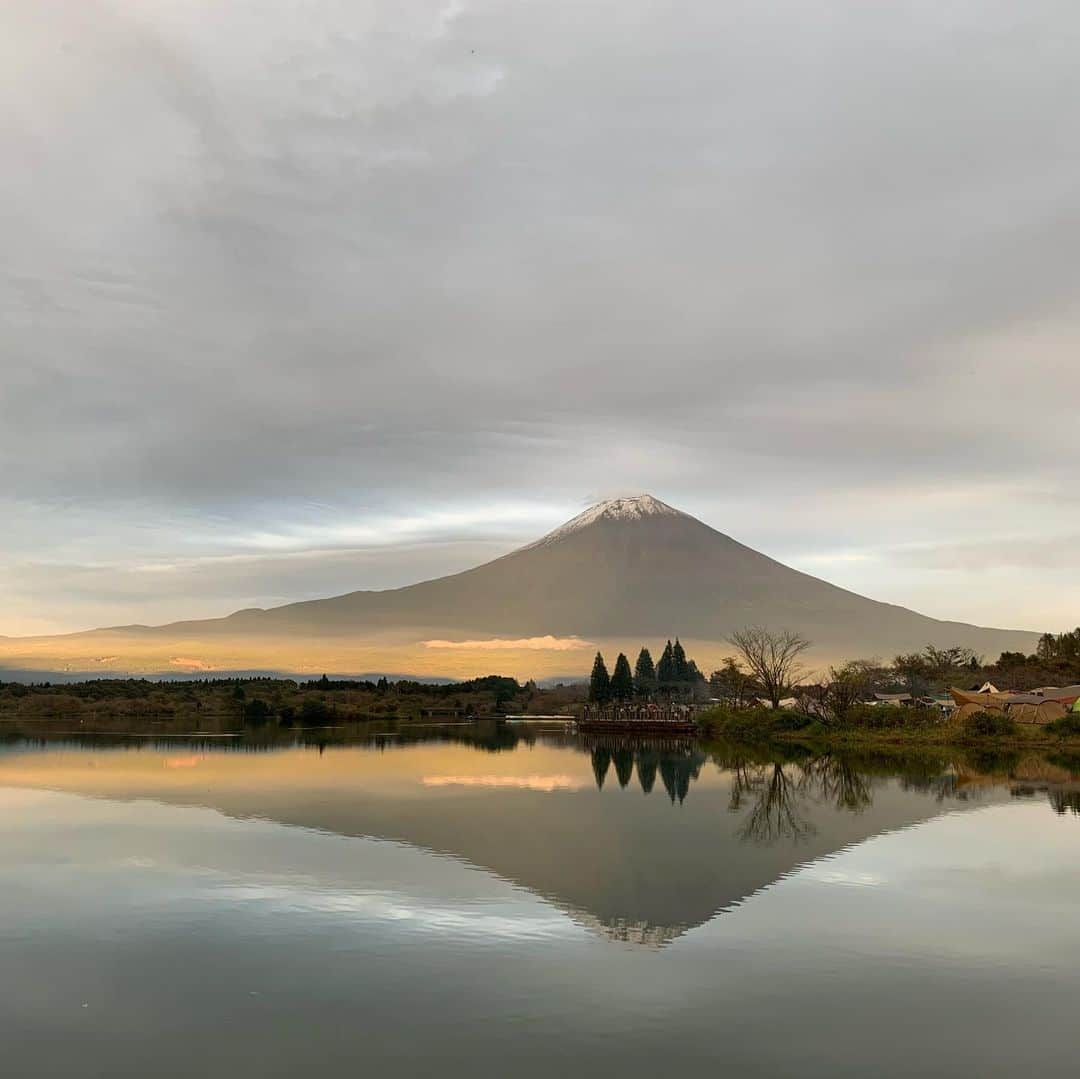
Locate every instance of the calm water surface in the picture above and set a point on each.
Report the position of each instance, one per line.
(507, 907)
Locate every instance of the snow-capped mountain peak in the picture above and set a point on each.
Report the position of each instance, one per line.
(633, 508)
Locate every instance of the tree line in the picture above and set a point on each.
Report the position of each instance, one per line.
(768, 666)
(673, 676)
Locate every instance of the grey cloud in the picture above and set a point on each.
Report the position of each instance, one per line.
(1033, 552)
(360, 257)
(50, 596)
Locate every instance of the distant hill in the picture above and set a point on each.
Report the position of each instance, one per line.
(626, 570)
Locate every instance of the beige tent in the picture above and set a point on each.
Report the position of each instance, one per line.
(1033, 708)
(987, 702)
(965, 711)
(1049, 712)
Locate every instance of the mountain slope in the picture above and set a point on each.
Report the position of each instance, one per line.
(627, 568)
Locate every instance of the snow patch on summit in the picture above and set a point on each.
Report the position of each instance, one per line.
(636, 508)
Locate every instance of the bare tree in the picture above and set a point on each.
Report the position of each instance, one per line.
(772, 658)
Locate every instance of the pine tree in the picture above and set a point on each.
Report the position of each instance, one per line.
(599, 682)
(665, 669)
(622, 681)
(678, 655)
(644, 674)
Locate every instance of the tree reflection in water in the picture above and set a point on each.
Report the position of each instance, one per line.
(778, 793)
(774, 789)
(624, 765)
(601, 761)
(840, 783)
(1065, 801)
(678, 766)
(775, 793)
(647, 762)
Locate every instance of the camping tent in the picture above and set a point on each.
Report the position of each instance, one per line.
(1040, 708)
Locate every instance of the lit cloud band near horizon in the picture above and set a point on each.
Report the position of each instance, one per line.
(527, 644)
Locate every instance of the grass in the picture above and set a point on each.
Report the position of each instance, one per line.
(885, 727)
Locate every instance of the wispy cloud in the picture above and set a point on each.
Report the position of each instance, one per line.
(500, 644)
(187, 663)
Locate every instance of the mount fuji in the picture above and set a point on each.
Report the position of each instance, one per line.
(627, 570)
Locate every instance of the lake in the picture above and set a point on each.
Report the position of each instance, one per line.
(514, 902)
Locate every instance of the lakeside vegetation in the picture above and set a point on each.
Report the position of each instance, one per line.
(759, 695)
(844, 707)
(884, 726)
(764, 692)
(231, 705)
(779, 758)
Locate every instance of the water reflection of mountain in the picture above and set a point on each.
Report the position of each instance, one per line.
(639, 842)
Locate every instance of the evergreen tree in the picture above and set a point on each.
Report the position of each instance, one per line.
(665, 669)
(644, 674)
(599, 682)
(622, 681)
(678, 655)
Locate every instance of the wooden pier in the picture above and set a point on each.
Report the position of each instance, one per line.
(646, 719)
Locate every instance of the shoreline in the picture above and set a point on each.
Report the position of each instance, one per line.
(944, 738)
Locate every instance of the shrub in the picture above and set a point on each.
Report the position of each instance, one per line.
(315, 713)
(750, 724)
(887, 717)
(1067, 726)
(988, 725)
(256, 712)
(785, 719)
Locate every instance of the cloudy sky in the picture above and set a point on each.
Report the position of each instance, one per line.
(303, 296)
